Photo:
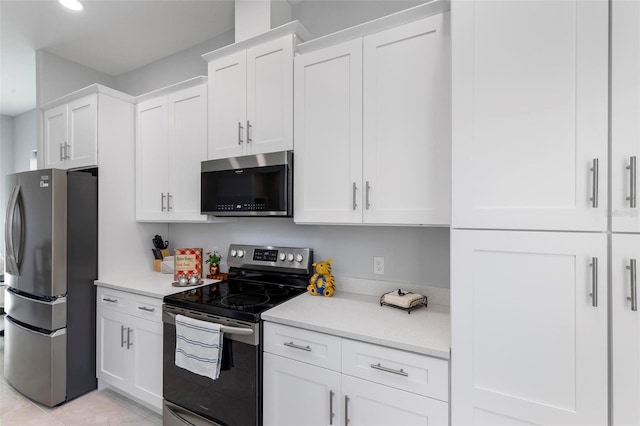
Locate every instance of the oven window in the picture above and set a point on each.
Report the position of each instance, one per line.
(231, 400)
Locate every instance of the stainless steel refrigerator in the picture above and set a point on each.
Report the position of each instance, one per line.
(51, 256)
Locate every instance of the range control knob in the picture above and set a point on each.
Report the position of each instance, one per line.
(282, 257)
(290, 257)
(240, 253)
(233, 253)
(299, 258)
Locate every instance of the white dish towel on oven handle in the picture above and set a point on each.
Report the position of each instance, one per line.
(198, 346)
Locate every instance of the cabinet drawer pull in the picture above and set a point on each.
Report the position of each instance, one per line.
(331, 413)
(355, 188)
(293, 345)
(169, 198)
(248, 132)
(61, 158)
(634, 293)
(144, 308)
(108, 299)
(594, 282)
(632, 182)
(66, 151)
(594, 183)
(162, 197)
(240, 133)
(122, 341)
(400, 372)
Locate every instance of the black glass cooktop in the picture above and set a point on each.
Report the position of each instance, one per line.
(240, 298)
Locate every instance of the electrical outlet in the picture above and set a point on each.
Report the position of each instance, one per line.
(378, 265)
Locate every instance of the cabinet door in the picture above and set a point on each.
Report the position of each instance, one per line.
(625, 115)
(371, 404)
(83, 132)
(530, 114)
(112, 357)
(145, 345)
(528, 344)
(270, 96)
(187, 148)
(328, 135)
(625, 254)
(299, 394)
(227, 106)
(407, 124)
(152, 163)
(55, 136)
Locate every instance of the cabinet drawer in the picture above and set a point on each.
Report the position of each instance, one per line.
(146, 307)
(112, 299)
(303, 345)
(412, 372)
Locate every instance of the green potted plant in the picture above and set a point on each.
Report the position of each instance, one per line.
(213, 259)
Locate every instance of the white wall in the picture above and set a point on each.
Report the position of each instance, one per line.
(172, 69)
(412, 255)
(6, 167)
(25, 139)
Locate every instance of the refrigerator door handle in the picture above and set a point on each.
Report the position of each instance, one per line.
(12, 263)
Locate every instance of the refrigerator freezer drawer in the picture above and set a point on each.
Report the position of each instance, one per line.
(36, 313)
(35, 363)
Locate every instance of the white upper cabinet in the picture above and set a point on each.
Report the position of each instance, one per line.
(171, 141)
(625, 115)
(328, 134)
(251, 100)
(530, 99)
(372, 129)
(529, 342)
(71, 134)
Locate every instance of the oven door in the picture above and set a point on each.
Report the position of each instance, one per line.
(235, 398)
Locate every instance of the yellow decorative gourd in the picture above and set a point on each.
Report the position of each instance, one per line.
(322, 282)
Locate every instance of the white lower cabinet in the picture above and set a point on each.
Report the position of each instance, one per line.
(356, 384)
(625, 253)
(129, 344)
(529, 328)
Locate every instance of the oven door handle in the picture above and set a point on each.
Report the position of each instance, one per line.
(226, 329)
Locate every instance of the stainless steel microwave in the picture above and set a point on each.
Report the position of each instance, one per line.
(251, 185)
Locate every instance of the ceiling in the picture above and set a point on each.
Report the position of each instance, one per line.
(111, 36)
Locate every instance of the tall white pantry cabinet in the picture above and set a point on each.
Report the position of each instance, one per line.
(531, 302)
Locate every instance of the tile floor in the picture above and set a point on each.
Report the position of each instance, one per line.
(100, 407)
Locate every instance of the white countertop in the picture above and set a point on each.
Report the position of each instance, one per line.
(152, 284)
(360, 317)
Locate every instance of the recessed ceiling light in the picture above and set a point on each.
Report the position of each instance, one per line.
(71, 4)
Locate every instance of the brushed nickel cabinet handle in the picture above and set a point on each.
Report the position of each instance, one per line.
(368, 187)
(61, 157)
(66, 151)
(400, 372)
(169, 198)
(594, 282)
(108, 299)
(634, 293)
(162, 196)
(129, 344)
(346, 410)
(294, 346)
(144, 308)
(240, 128)
(594, 190)
(249, 132)
(632, 182)
(331, 413)
(355, 189)
(122, 341)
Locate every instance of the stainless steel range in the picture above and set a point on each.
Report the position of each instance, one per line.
(260, 277)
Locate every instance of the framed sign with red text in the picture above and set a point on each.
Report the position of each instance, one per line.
(187, 261)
